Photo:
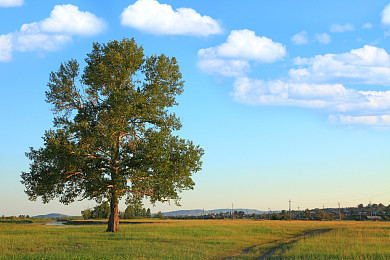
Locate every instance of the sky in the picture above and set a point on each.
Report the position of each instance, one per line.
(290, 100)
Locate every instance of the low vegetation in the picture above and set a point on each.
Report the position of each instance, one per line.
(199, 239)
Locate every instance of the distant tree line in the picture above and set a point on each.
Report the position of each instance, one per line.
(133, 210)
(360, 212)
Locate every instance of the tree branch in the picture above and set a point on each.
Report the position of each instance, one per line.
(141, 178)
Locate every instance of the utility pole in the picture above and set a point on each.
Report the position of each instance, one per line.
(339, 211)
(232, 212)
(269, 214)
(289, 207)
(370, 209)
(203, 213)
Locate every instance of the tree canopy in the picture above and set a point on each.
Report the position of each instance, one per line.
(114, 131)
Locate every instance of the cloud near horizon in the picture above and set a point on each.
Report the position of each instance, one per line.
(52, 33)
(152, 17)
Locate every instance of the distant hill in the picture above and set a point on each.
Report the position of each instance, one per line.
(51, 215)
(199, 212)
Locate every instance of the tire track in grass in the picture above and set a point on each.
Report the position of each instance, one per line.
(280, 244)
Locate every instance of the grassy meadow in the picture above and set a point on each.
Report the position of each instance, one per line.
(199, 239)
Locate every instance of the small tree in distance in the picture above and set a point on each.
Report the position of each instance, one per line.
(114, 132)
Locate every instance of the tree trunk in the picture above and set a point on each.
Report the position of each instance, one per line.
(113, 221)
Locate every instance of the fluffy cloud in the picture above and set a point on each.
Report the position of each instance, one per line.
(367, 65)
(242, 46)
(322, 38)
(152, 17)
(212, 63)
(340, 28)
(11, 3)
(318, 82)
(52, 33)
(284, 93)
(344, 104)
(386, 15)
(300, 38)
(69, 19)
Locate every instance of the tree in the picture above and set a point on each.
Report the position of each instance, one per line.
(307, 214)
(113, 131)
(129, 212)
(284, 215)
(101, 211)
(86, 214)
(275, 216)
(148, 213)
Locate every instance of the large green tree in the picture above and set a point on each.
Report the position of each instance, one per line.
(114, 131)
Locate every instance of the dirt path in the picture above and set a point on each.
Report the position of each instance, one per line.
(280, 244)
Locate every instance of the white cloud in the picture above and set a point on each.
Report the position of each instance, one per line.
(323, 82)
(30, 38)
(367, 26)
(52, 33)
(152, 17)
(377, 121)
(367, 65)
(11, 3)
(322, 38)
(345, 105)
(318, 83)
(70, 20)
(5, 48)
(211, 63)
(340, 28)
(332, 97)
(386, 15)
(242, 46)
(300, 38)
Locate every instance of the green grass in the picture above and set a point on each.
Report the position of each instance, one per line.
(196, 239)
(368, 240)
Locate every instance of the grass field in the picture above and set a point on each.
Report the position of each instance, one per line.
(199, 239)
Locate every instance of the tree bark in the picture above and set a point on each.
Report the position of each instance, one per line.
(113, 221)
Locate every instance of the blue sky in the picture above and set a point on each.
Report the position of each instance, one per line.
(289, 100)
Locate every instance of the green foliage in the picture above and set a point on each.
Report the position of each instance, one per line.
(86, 214)
(113, 130)
(101, 211)
(135, 208)
(307, 214)
(129, 213)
